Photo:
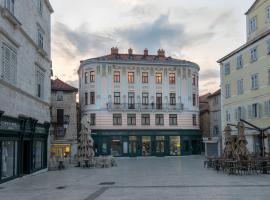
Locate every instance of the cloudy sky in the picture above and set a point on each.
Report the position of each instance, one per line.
(201, 31)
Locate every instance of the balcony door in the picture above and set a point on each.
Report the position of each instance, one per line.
(159, 100)
(131, 100)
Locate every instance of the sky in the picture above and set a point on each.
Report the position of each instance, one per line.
(201, 31)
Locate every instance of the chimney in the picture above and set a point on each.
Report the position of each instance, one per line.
(145, 52)
(161, 53)
(130, 51)
(114, 51)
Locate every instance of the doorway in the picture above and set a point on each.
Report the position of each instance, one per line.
(160, 145)
(26, 157)
(146, 145)
(132, 146)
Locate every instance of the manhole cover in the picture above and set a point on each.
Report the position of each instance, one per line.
(61, 187)
(107, 183)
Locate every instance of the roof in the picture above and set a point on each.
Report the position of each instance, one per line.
(139, 58)
(49, 6)
(253, 5)
(58, 85)
(259, 37)
(215, 93)
(204, 102)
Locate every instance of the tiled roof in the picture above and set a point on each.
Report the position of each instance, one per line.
(58, 85)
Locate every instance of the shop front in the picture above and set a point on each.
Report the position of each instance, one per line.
(147, 143)
(23, 147)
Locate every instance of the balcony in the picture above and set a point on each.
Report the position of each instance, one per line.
(138, 107)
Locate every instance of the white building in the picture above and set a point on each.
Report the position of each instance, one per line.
(141, 104)
(25, 40)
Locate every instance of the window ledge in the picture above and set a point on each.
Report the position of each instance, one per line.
(10, 17)
(42, 52)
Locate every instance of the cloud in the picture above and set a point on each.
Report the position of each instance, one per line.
(74, 83)
(209, 74)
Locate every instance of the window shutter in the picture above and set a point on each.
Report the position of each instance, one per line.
(249, 112)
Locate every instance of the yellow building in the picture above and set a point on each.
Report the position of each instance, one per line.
(245, 77)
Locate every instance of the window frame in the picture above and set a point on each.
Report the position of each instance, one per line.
(144, 77)
(145, 98)
(240, 86)
(40, 7)
(172, 78)
(159, 119)
(131, 77)
(117, 98)
(92, 119)
(252, 25)
(40, 38)
(255, 81)
(86, 98)
(240, 62)
(227, 68)
(116, 76)
(227, 90)
(158, 76)
(40, 83)
(92, 76)
(194, 119)
(92, 98)
(145, 119)
(253, 54)
(117, 119)
(173, 119)
(131, 119)
(9, 4)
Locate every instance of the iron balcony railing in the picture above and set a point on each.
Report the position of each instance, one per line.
(139, 107)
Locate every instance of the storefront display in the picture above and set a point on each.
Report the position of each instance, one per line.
(175, 146)
(9, 158)
(37, 154)
(116, 146)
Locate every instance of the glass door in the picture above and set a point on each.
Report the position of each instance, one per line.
(132, 146)
(160, 145)
(146, 145)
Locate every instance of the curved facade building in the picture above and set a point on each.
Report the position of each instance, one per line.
(141, 104)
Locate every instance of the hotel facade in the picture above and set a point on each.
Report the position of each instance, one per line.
(245, 78)
(141, 104)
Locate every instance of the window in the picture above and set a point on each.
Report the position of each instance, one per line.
(40, 7)
(117, 99)
(254, 81)
(60, 116)
(239, 62)
(117, 119)
(269, 76)
(173, 119)
(145, 99)
(92, 119)
(172, 78)
(268, 46)
(131, 119)
(85, 98)
(194, 99)
(253, 54)
(145, 119)
(240, 87)
(159, 100)
(116, 77)
(255, 110)
(267, 108)
(158, 78)
(85, 77)
(268, 13)
(59, 95)
(9, 159)
(193, 79)
(92, 77)
(227, 90)
(9, 4)
(40, 38)
(92, 97)
(131, 100)
(194, 120)
(252, 24)
(228, 116)
(9, 67)
(172, 99)
(216, 130)
(238, 113)
(227, 69)
(159, 119)
(130, 77)
(40, 84)
(145, 77)
(215, 101)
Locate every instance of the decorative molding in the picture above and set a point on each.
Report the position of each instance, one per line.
(9, 38)
(104, 70)
(10, 17)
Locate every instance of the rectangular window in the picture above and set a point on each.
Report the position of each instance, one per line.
(117, 119)
(227, 90)
(131, 119)
(40, 7)
(268, 46)
(145, 77)
(159, 119)
(117, 99)
(193, 79)
(173, 119)
(194, 120)
(269, 76)
(255, 110)
(145, 119)
(60, 116)
(239, 62)
(158, 78)
(238, 114)
(131, 100)
(116, 77)
(228, 116)
(172, 78)
(227, 69)
(59, 95)
(130, 77)
(145, 98)
(92, 77)
(92, 119)
(85, 77)
(40, 38)
(240, 87)
(158, 100)
(194, 99)
(252, 24)
(92, 97)
(9, 67)
(40, 84)
(253, 54)
(216, 130)
(85, 98)
(172, 99)
(9, 4)
(255, 81)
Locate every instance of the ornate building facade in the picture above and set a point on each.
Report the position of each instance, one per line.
(141, 104)
(25, 71)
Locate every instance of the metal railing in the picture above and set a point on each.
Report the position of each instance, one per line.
(139, 107)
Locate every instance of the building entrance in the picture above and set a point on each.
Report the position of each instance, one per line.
(26, 157)
(160, 145)
(132, 146)
(146, 145)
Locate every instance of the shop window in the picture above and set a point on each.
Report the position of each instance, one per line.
(38, 154)
(116, 146)
(145, 77)
(172, 78)
(145, 119)
(173, 119)
(175, 146)
(9, 159)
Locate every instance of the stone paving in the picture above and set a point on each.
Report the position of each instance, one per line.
(171, 178)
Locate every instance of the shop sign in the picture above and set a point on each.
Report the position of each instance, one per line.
(7, 125)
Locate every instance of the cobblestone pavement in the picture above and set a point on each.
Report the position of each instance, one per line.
(171, 178)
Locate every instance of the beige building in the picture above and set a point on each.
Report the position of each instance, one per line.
(63, 120)
(245, 77)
